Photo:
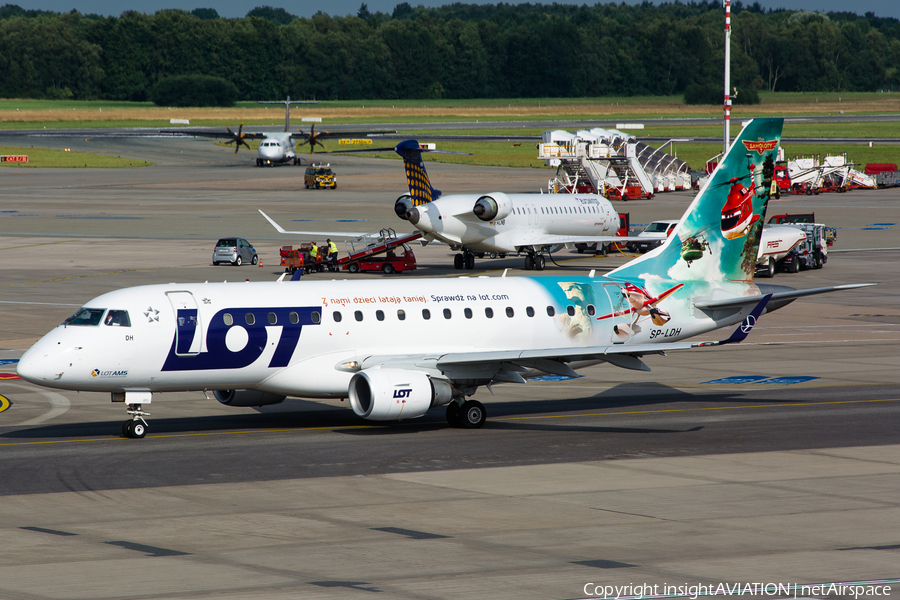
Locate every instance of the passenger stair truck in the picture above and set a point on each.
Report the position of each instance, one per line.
(611, 163)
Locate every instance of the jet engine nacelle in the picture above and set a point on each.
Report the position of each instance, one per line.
(247, 398)
(403, 205)
(391, 394)
(493, 208)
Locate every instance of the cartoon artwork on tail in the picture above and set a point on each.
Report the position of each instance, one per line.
(718, 237)
(419, 186)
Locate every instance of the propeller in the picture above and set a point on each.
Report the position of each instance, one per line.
(313, 139)
(237, 138)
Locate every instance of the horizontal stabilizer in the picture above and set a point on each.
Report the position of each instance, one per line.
(779, 297)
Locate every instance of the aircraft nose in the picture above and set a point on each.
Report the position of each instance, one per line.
(33, 365)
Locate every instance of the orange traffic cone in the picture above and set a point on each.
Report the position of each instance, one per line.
(260, 263)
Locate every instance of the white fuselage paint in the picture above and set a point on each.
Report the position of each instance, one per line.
(226, 351)
(276, 147)
(451, 220)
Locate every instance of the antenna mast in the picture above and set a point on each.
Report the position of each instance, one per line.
(727, 73)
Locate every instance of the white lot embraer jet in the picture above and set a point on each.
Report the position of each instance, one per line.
(278, 146)
(401, 347)
(498, 224)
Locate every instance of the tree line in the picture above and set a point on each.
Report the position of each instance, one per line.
(454, 51)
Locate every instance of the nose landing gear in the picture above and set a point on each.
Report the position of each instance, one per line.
(136, 428)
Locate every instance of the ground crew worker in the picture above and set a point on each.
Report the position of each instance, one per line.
(314, 253)
(332, 253)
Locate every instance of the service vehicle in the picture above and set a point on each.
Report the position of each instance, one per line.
(776, 245)
(603, 249)
(393, 261)
(234, 250)
(655, 234)
(319, 176)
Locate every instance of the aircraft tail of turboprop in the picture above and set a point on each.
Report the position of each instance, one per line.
(718, 237)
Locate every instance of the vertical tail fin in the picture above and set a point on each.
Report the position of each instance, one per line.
(717, 239)
(419, 186)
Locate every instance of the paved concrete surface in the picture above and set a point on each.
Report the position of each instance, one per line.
(614, 478)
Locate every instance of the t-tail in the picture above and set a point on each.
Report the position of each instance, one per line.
(287, 108)
(718, 237)
(420, 188)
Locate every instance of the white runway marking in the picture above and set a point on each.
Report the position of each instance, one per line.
(59, 404)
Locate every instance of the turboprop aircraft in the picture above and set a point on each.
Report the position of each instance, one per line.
(279, 146)
(498, 224)
(399, 348)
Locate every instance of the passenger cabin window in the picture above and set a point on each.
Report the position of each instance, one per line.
(336, 316)
(570, 310)
(228, 319)
(117, 318)
(250, 318)
(529, 311)
(447, 313)
(509, 312)
(591, 310)
(86, 316)
(426, 314)
(357, 314)
(379, 314)
(468, 313)
(273, 319)
(489, 312)
(295, 318)
(314, 315)
(401, 315)
(551, 311)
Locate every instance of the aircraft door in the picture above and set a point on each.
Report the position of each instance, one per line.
(188, 329)
(619, 321)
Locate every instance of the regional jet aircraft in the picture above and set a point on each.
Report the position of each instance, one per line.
(496, 223)
(276, 147)
(399, 348)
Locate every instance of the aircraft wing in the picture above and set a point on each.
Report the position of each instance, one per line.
(339, 134)
(345, 234)
(213, 134)
(507, 365)
(551, 239)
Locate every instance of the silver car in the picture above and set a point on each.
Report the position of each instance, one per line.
(235, 251)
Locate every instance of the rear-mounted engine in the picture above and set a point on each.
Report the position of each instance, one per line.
(493, 208)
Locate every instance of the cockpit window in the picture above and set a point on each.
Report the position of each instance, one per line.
(86, 316)
(117, 318)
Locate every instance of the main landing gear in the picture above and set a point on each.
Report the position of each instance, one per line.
(465, 260)
(466, 415)
(534, 261)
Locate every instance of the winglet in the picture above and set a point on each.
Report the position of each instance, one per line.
(743, 330)
(278, 227)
